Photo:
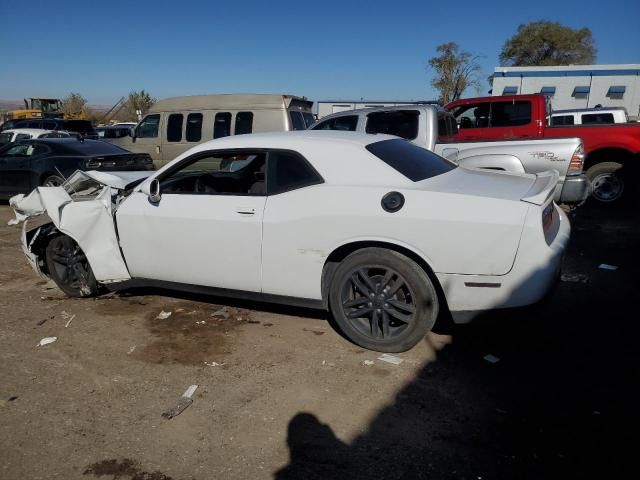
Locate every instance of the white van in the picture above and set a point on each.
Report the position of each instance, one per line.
(174, 125)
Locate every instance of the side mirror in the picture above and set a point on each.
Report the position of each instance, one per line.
(132, 134)
(153, 191)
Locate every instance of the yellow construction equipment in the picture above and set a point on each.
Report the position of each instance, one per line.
(43, 108)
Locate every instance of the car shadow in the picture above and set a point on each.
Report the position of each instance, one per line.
(556, 399)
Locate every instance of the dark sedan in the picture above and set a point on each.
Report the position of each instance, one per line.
(47, 162)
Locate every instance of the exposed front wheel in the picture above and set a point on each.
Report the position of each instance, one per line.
(382, 300)
(607, 182)
(69, 268)
(52, 181)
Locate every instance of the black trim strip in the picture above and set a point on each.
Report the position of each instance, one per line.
(482, 285)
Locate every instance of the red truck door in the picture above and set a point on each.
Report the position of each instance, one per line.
(497, 118)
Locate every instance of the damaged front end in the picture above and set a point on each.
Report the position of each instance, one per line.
(83, 209)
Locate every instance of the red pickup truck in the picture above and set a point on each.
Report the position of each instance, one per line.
(612, 152)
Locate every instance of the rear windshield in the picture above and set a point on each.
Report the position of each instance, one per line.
(96, 147)
(80, 126)
(401, 123)
(413, 162)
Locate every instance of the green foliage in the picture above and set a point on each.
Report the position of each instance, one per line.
(545, 43)
(455, 71)
(73, 104)
(136, 101)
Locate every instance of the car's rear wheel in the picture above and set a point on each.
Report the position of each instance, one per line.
(52, 181)
(69, 268)
(382, 300)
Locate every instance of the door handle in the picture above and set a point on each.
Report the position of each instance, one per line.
(246, 210)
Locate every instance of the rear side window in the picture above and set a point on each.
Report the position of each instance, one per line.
(194, 127)
(289, 171)
(297, 121)
(562, 120)
(174, 127)
(510, 114)
(244, 123)
(222, 125)
(447, 128)
(148, 128)
(596, 118)
(413, 162)
(347, 123)
(402, 123)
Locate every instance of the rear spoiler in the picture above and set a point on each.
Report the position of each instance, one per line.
(543, 188)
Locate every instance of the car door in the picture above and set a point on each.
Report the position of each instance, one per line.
(206, 229)
(146, 138)
(15, 172)
(473, 121)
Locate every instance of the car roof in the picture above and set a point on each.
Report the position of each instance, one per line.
(589, 110)
(362, 111)
(30, 131)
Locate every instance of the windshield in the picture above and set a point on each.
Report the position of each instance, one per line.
(413, 162)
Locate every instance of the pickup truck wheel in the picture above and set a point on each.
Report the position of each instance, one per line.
(382, 300)
(52, 181)
(607, 182)
(69, 268)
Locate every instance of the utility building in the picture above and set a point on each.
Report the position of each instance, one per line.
(575, 86)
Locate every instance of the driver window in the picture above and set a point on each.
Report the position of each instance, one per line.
(472, 116)
(229, 173)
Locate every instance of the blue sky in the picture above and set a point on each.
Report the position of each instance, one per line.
(327, 49)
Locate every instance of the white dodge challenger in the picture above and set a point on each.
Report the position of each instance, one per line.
(382, 233)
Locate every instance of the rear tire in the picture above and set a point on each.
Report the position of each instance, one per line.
(382, 300)
(69, 267)
(608, 186)
(52, 181)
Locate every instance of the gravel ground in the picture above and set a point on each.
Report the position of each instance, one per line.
(281, 394)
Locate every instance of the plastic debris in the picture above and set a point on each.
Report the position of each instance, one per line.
(131, 350)
(179, 310)
(213, 364)
(46, 341)
(385, 357)
(491, 358)
(574, 278)
(221, 313)
(605, 266)
(69, 321)
(163, 315)
(183, 402)
(368, 363)
(201, 322)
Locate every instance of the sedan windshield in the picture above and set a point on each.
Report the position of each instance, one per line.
(413, 162)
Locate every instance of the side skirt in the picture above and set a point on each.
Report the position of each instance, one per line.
(216, 292)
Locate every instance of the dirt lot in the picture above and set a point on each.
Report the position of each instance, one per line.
(280, 394)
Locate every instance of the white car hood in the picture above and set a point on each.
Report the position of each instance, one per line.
(118, 180)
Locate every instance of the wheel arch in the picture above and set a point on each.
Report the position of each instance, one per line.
(610, 154)
(341, 252)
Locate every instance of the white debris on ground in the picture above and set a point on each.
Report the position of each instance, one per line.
(368, 363)
(163, 315)
(68, 317)
(131, 350)
(213, 364)
(386, 357)
(183, 402)
(221, 313)
(46, 341)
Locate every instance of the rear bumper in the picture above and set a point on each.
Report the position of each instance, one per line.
(535, 270)
(576, 189)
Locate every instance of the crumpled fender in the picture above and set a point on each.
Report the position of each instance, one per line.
(88, 222)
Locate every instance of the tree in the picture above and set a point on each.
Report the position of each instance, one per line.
(548, 43)
(73, 104)
(455, 71)
(137, 101)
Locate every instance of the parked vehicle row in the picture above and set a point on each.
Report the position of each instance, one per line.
(82, 128)
(18, 134)
(433, 128)
(373, 228)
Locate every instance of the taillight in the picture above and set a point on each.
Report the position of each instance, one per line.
(93, 163)
(577, 161)
(547, 216)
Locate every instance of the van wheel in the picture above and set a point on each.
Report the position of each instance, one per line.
(382, 300)
(52, 181)
(69, 268)
(607, 182)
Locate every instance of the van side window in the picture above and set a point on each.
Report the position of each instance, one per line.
(222, 125)
(510, 114)
(194, 127)
(174, 127)
(148, 128)
(297, 121)
(244, 122)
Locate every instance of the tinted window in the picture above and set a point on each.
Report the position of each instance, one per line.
(347, 123)
(595, 118)
(22, 136)
(447, 128)
(308, 118)
(194, 127)
(562, 120)
(510, 114)
(244, 122)
(297, 121)
(26, 150)
(403, 123)
(222, 125)
(413, 162)
(288, 171)
(174, 127)
(475, 115)
(148, 128)
(80, 126)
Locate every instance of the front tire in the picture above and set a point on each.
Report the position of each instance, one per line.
(69, 268)
(52, 181)
(382, 300)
